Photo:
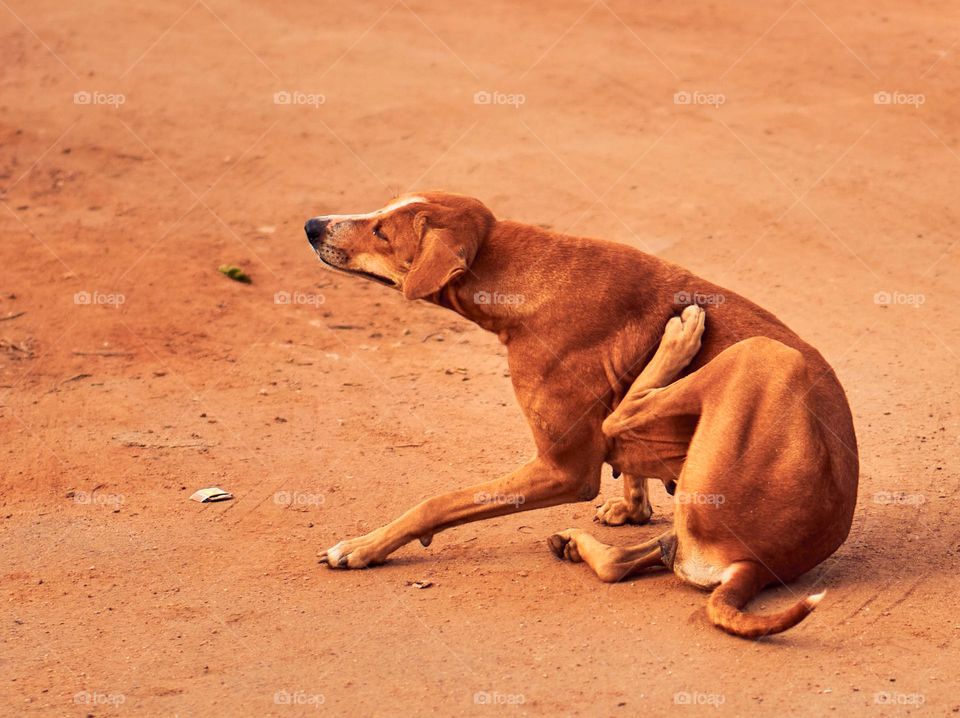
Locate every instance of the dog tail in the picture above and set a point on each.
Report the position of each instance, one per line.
(741, 582)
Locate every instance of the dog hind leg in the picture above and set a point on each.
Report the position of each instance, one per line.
(678, 347)
(610, 563)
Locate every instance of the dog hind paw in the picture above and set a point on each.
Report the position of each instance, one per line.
(564, 545)
(682, 337)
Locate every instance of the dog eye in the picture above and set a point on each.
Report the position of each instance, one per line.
(377, 231)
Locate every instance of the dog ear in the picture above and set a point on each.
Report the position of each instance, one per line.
(445, 253)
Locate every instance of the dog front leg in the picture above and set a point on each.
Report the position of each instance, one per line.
(631, 508)
(538, 484)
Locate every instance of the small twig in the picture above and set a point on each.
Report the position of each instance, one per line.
(103, 354)
(21, 347)
(12, 316)
(431, 334)
(408, 446)
(77, 377)
(134, 444)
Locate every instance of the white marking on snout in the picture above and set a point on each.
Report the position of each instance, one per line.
(334, 218)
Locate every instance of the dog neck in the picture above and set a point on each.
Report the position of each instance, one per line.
(495, 290)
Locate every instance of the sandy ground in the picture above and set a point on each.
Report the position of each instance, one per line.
(132, 372)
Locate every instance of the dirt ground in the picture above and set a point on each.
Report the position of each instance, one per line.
(144, 145)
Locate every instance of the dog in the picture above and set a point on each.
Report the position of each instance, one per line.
(722, 401)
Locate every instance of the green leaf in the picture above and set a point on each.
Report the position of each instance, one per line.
(235, 273)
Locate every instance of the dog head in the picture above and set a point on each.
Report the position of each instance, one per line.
(417, 243)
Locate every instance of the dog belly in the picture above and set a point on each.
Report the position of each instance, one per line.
(647, 456)
(655, 446)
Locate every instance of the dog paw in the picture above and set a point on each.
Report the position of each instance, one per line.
(681, 338)
(355, 553)
(617, 512)
(564, 545)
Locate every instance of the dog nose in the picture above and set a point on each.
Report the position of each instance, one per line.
(315, 228)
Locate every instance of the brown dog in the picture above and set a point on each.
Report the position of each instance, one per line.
(581, 318)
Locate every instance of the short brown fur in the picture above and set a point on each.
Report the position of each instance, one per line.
(586, 316)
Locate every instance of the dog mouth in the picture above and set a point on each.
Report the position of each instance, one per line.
(375, 277)
(357, 272)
